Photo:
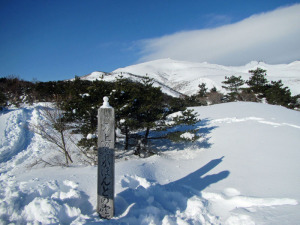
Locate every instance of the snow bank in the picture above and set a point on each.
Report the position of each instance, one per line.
(244, 170)
(12, 133)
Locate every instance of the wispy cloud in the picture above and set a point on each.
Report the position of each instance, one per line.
(273, 37)
(216, 20)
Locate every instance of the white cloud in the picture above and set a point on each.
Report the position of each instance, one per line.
(216, 20)
(273, 37)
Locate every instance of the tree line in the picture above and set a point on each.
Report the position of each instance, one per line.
(256, 89)
(14, 91)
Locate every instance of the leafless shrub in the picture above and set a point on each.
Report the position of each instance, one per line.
(46, 163)
(215, 97)
(55, 130)
(248, 95)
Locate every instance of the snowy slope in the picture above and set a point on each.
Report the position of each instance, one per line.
(244, 170)
(185, 77)
(114, 75)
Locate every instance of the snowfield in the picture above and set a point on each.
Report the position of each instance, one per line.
(244, 170)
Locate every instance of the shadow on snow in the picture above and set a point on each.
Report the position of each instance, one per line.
(155, 201)
(203, 130)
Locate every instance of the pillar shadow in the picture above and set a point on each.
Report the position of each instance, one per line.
(161, 200)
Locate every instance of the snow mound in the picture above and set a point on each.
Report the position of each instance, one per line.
(51, 202)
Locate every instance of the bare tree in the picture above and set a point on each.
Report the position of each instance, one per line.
(55, 130)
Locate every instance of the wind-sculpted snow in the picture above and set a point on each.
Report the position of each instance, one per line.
(244, 170)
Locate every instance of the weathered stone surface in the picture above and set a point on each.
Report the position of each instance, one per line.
(106, 164)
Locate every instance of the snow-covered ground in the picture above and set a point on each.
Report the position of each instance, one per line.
(185, 77)
(244, 170)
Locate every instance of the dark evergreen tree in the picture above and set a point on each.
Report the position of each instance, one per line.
(213, 89)
(233, 85)
(296, 102)
(200, 98)
(258, 81)
(84, 99)
(142, 107)
(203, 90)
(122, 98)
(149, 106)
(188, 117)
(192, 100)
(278, 95)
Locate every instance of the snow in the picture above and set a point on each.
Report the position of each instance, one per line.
(244, 170)
(184, 77)
(90, 136)
(187, 136)
(105, 103)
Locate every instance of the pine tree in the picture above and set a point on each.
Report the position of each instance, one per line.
(122, 98)
(258, 81)
(203, 90)
(188, 117)
(278, 95)
(149, 106)
(233, 85)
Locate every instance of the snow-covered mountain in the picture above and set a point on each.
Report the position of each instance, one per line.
(184, 77)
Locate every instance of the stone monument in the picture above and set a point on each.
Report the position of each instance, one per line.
(106, 163)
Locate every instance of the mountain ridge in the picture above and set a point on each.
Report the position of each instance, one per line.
(183, 77)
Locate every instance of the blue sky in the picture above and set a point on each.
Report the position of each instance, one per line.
(58, 39)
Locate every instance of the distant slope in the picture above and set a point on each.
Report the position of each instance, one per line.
(184, 77)
(114, 75)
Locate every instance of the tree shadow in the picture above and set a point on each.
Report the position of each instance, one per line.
(159, 200)
(203, 130)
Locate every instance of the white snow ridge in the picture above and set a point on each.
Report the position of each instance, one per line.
(175, 77)
(244, 170)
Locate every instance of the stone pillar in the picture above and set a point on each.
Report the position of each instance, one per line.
(106, 161)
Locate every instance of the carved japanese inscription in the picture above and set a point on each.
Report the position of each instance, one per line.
(106, 145)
